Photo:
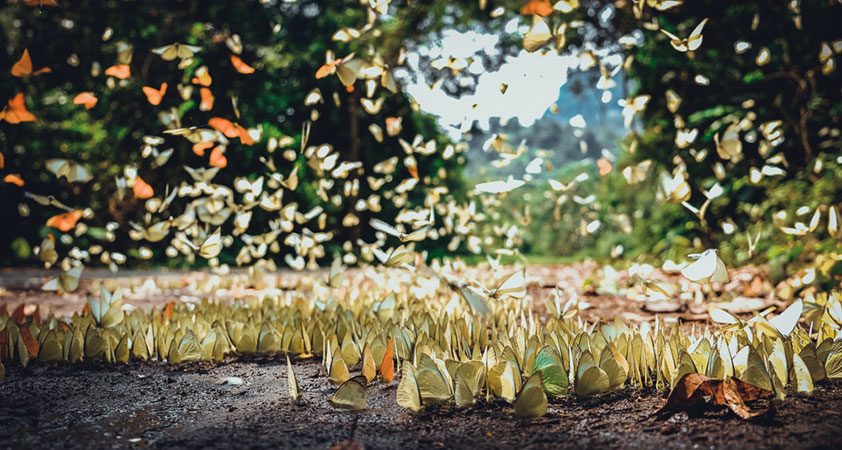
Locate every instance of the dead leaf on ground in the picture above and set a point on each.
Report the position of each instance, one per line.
(695, 390)
(348, 444)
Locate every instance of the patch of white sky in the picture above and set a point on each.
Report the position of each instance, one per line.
(534, 81)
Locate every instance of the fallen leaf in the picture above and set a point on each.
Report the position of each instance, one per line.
(695, 390)
(348, 444)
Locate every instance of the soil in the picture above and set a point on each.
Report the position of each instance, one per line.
(153, 405)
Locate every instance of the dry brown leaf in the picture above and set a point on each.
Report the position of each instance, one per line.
(696, 390)
(348, 444)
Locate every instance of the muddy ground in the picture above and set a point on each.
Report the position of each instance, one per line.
(152, 405)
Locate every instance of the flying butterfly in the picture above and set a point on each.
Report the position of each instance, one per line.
(691, 43)
(176, 50)
(72, 171)
(707, 268)
(23, 68)
(540, 34)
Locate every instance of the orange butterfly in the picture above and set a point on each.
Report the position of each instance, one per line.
(217, 157)
(207, 99)
(200, 147)
(3, 338)
(32, 345)
(604, 166)
(155, 95)
(202, 77)
(245, 138)
(387, 367)
(241, 66)
(41, 3)
(328, 69)
(168, 309)
(23, 68)
(394, 125)
(142, 189)
(86, 98)
(121, 71)
(15, 111)
(65, 222)
(537, 7)
(19, 315)
(13, 178)
(231, 130)
(224, 126)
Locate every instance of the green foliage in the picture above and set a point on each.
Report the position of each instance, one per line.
(791, 88)
(284, 42)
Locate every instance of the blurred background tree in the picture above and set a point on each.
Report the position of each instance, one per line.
(285, 42)
(764, 81)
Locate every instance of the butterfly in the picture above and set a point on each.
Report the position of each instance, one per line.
(414, 236)
(409, 394)
(85, 98)
(176, 50)
(536, 7)
(15, 112)
(154, 96)
(691, 43)
(217, 157)
(540, 34)
(202, 77)
(67, 281)
(14, 178)
(41, 3)
(351, 394)
(532, 401)
(231, 129)
(513, 286)
(66, 221)
(142, 189)
(292, 382)
(240, 66)
(121, 71)
(72, 171)
(23, 68)
(207, 99)
(107, 309)
(707, 268)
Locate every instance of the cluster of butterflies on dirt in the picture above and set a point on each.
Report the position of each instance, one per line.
(366, 325)
(424, 329)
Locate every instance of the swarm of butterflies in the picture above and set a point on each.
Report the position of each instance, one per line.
(443, 337)
(452, 340)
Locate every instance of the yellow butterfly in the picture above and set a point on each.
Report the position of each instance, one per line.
(176, 50)
(691, 43)
(532, 401)
(351, 394)
(540, 34)
(72, 171)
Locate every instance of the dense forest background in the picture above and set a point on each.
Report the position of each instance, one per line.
(749, 121)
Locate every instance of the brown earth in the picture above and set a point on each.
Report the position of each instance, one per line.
(152, 405)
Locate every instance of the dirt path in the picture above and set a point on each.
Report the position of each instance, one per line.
(94, 405)
(153, 405)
